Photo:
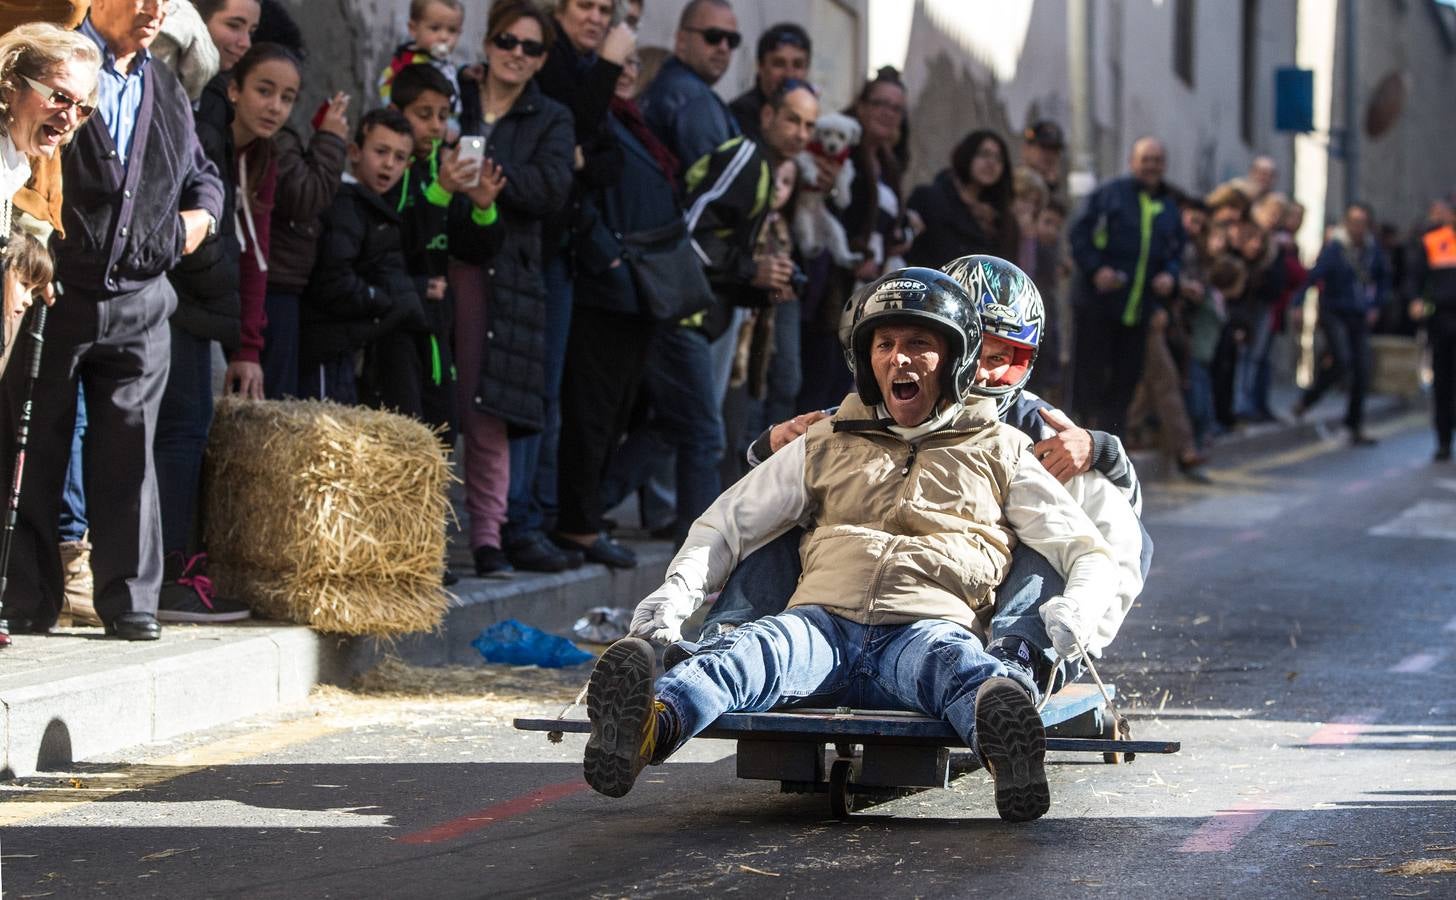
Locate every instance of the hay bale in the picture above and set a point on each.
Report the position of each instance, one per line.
(331, 516)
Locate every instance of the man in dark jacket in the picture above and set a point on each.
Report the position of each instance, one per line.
(1127, 244)
(783, 52)
(1433, 285)
(727, 202)
(1353, 275)
(140, 195)
(679, 104)
(360, 287)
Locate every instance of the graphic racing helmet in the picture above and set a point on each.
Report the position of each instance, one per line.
(1011, 309)
(917, 296)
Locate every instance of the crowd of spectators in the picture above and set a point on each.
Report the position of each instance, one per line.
(591, 283)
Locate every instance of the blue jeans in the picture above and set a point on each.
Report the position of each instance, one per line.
(1253, 373)
(181, 438)
(808, 657)
(1199, 398)
(763, 582)
(280, 345)
(686, 415)
(532, 497)
(73, 496)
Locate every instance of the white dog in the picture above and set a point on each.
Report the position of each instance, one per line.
(815, 227)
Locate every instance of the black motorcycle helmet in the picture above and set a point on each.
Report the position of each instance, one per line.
(918, 296)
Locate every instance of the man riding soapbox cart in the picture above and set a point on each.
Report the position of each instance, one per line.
(926, 568)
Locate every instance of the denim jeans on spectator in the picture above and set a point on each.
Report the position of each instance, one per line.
(685, 415)
(809, 657)
(531, 504)
(280, 345)
(1252, 401)
(181, 439)
(73, 495)
(1199, 398)
(785, 374)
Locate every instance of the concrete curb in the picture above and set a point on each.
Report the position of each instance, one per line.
(72, 696)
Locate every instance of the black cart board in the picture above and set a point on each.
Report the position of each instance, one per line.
(881, 755)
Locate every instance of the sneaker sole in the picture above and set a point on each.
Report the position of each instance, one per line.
(1010, 736)
(618, 701)
(170, 615)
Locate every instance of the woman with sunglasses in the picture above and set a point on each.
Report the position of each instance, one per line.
(586, 59)
(47, 90)
(500, 320)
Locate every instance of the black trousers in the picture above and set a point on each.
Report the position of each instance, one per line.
(1108, 364)
(1441, 330)
(1347, 352)
(119, 349)
(606, 354)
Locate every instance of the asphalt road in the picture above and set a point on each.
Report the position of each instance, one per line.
(1298, 635)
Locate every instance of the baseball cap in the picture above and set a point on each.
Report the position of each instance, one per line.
(1044, 133)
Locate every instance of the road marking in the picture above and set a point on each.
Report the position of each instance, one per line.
(1343, 731)
(1418, 663)
(1223, 832)
(449, 831)
(29, 800)
(1248, 537)
(1201, 554)
(1427, 519)
(1451, 625)
(1355, 487)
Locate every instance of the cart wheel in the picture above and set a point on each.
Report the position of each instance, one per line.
(1114, 731)
(841, 787)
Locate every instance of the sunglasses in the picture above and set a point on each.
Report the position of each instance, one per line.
(509, 42)
(715, 36)
(59, 98)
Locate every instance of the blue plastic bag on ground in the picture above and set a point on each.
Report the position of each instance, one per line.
(519, 644)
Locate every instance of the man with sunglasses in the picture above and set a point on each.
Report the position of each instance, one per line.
(784, 52)
(140, 194)
(680, 105)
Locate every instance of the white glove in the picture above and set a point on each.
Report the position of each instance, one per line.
(1066, 626)
(659, 617)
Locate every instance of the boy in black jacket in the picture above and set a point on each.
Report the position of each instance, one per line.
(360, 287)
(412, 370)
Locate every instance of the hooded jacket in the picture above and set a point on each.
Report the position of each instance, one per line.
(360, 288)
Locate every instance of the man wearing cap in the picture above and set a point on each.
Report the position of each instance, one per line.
(783, 52)
(1041, 152)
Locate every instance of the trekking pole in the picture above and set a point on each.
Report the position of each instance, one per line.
(22, 438)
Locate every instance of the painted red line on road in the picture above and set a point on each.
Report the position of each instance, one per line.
(1344, 730)
(1417, 663)
(449, 831)
(1248, 537)
(1356, 487)
(1223, 832)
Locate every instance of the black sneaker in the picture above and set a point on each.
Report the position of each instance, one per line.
(1012, 743)
(678, 652)
(1021, 660)
(490, 561)
(604, 550)
(189, 601)
(532, 552)
(623, 710)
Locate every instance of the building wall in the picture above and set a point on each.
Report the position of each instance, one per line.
(960, 78)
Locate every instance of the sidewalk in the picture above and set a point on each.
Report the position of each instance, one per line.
(72, 695)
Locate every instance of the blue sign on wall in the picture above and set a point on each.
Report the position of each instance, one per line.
(1293, 99)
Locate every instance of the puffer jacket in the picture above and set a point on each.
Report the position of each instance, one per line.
(533, 144)
(908, 531)
(207, 280)
(308, 179)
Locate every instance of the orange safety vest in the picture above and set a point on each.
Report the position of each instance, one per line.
(1440, 247)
